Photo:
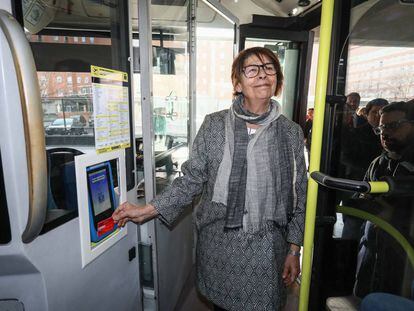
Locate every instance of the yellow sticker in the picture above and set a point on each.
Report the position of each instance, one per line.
(110, 74)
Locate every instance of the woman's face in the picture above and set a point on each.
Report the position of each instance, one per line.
(262, 87)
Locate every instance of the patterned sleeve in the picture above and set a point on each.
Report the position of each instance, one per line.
(296, 224)
(175, 198)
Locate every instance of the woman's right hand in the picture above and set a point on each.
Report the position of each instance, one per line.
(131, 212)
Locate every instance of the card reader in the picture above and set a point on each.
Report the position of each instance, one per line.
(102, 201)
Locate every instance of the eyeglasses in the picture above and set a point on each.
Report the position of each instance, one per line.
(252, 71)
(390, 126)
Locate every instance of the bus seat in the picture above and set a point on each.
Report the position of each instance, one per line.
(348, 303)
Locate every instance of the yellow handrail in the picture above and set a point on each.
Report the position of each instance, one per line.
(379, 187)
(381, 223)
(316, 147)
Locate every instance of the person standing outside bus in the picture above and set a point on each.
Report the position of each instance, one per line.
(352, 119)
(248, 163)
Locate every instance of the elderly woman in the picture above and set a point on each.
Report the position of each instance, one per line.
(248, 163)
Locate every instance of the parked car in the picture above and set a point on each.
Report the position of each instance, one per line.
(68, 126)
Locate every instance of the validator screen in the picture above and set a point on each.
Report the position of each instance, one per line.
(100, 195)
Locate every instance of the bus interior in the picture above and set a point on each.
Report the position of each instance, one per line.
(172, 59)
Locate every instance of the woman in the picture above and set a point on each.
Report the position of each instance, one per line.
(248, 163)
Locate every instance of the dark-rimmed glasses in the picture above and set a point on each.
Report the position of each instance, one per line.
(252, 71)
(390, 126)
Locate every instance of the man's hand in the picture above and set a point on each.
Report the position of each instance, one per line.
(130, 212)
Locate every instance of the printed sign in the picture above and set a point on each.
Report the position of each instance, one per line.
(110, 109)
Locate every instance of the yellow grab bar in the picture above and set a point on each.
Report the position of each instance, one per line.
(316, 147)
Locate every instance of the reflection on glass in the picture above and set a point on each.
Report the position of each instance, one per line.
(380, 70)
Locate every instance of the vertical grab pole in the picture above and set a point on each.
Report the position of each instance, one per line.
(316, 147)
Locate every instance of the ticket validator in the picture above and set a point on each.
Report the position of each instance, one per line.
(102, 201)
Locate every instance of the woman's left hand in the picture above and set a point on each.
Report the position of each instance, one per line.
(291, 269)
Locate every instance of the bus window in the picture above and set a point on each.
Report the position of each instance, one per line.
(215, 44)
(170, 91)
(5, 233)
(65, 46)
(376, 139)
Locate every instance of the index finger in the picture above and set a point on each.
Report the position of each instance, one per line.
(116, 215)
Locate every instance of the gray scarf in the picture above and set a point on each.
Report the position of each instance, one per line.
(249, 179)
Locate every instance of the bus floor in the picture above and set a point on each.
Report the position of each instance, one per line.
(191, 300)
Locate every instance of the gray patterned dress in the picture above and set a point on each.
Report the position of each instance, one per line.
(237, 270)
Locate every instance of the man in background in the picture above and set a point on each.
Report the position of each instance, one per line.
(381, 261)
(352, 119)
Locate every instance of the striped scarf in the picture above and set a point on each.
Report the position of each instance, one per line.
(249, 178)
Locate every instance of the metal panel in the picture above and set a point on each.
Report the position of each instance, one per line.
(192, 11)
(147, 230)
(174, 251)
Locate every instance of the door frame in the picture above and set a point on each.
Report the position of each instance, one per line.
(297, 29)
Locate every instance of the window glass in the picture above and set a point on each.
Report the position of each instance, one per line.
(139, 147)
(170, 91)
(215, 44)
(5, 232)
(378, 54)
(313, 68)
(99, 37)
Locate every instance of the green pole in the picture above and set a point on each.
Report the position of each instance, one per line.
(316, 147)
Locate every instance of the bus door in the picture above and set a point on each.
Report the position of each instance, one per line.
(49, 97)
(293, 43)
(366, 194)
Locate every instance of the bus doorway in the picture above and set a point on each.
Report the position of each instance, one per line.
(363, 239)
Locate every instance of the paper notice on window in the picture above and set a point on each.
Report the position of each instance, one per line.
(110, 109)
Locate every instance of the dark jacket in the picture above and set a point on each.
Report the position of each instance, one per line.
(381, 261)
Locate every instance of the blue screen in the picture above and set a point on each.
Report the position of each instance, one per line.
(100, 195)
